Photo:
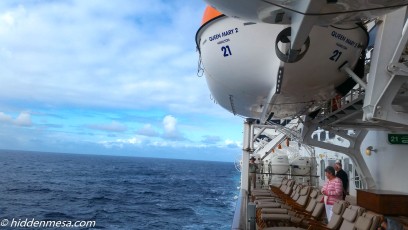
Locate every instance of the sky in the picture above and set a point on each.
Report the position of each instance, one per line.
(109, 77)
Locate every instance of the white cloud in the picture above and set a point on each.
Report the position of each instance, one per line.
(126, 54)
(23, 119)
(5, 118)
(211, 139)
(7, 19)
(232, 144)
(169, 123)
(148, 130)
(133, 141)
(80, 60)
(121, 143)
(112, 127)
(170, 128)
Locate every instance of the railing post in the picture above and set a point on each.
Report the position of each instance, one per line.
(240, 216)
(246, 151)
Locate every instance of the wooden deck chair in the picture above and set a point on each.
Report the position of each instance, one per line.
(350, 216)
(276, 189)
(298, 204)
(336, 220)
(276, 216)
(367, 221)
(302, 218)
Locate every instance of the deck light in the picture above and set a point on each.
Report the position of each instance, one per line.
(370, 149)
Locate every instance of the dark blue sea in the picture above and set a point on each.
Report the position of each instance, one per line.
(117, 192)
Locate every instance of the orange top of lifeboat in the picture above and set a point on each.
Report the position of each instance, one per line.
(209, 14)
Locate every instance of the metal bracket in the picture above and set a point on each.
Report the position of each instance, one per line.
(398, 69)
(387, 74)
(353, 150)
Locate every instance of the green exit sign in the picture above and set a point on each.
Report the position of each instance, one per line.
(401, 139)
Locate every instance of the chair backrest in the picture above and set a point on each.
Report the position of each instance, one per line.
(289, 187)
(320, 198)
(296, 195)
(296, 189)
(284, 182)
(284, 185)
(318, 210)
(305, 191)
(303, 196)
(376, 220)
(350, 216)
(367, 221)
(337, 216)
(311, 205)
(312, 201)
(314, 193)
(363, 223)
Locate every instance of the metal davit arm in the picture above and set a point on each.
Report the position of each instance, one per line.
(387, 74)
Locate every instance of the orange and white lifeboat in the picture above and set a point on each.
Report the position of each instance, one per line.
(246, 76)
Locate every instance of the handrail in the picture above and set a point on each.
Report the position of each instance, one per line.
(240, 215)
(350, 98)
(288, 174)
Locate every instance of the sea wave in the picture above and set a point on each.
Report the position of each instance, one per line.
(118, 192)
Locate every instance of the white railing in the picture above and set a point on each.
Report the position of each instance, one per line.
(240, 216)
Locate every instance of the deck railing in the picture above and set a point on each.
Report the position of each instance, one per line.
(240, 216)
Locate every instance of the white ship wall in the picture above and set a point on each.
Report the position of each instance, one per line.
(388, 164)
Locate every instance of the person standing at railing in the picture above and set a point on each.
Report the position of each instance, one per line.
(332, 190)
(252, 173)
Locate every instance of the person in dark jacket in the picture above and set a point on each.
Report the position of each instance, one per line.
(340, 173)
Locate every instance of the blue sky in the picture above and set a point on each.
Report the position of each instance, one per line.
(109, 77)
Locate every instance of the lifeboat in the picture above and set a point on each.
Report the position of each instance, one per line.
(300, 169)
(300, 166)
(278, 165)
(245, 70)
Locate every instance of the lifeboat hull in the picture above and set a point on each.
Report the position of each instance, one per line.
(246, 77)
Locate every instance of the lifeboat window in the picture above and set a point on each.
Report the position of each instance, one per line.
(322, 167)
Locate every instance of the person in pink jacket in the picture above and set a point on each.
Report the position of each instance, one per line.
(332, 190)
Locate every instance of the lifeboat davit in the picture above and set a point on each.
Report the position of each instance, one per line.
(242, 62)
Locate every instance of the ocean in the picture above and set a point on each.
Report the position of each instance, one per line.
(115, 192)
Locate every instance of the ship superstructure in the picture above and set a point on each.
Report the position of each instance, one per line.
(327, 77)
